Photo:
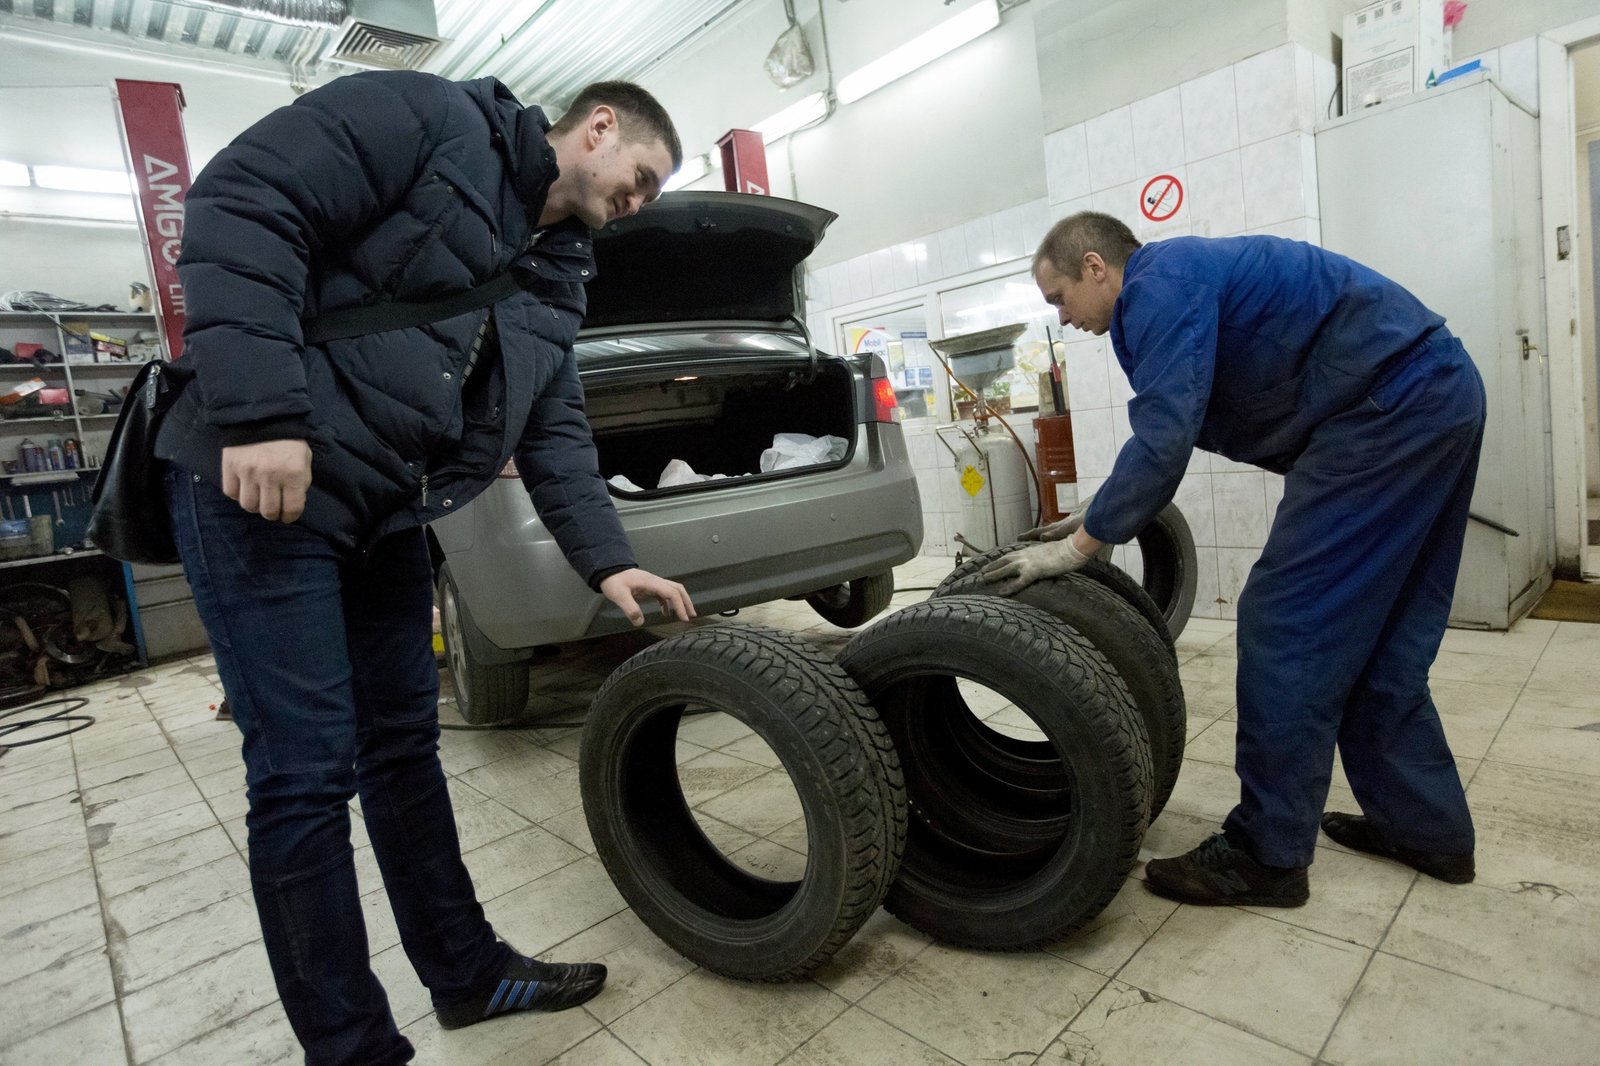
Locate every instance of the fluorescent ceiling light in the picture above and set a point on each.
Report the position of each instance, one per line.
(14, 174)
(920, 50)
(694, 168)
(804, 112)
(83, 179)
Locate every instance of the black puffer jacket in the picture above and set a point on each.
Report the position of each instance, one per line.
(378, 188)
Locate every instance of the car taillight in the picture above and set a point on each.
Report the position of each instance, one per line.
(885, 407)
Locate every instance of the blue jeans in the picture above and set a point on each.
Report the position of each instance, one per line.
(1343, 614)
(327, 661)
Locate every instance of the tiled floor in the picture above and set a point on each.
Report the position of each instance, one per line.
(127, 935)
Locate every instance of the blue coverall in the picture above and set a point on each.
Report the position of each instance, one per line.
(1298, 360)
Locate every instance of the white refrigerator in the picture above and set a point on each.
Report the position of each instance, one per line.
(1440, 191)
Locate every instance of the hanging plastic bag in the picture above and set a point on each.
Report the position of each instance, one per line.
(790, 63)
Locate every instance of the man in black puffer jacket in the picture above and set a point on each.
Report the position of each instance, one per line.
(300, 476)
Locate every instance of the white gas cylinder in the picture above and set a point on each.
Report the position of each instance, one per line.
(993, 475)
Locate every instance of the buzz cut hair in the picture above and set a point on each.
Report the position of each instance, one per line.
(1077, 235)
(642, 118)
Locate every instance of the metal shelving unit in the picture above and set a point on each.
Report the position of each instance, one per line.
(64, 494)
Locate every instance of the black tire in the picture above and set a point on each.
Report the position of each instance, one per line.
(993, 877)
(840, 760)
(855, 602)
(1171, 572)
(1130, 644)
(1098, 570)
(486, 693)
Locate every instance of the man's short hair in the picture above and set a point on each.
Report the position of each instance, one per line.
(642, 118)
(1077, 235)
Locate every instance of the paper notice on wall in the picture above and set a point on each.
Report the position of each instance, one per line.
(1380, 79)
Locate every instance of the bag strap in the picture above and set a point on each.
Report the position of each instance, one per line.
(379, 318)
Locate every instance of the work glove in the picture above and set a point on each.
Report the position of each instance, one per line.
(1060, 530)
(1017, 571)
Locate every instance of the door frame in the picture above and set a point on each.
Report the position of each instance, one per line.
(1558, 136)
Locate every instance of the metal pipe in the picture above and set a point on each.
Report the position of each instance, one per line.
(1492, 524)
(320, 13)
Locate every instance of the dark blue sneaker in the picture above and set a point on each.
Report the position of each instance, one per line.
(1218, 873)
(1355, 832)
(528, 985)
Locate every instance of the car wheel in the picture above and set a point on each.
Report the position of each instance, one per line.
(854, 602)
(1130, 644)
(841, 764)
(992, 877)
(486, 693)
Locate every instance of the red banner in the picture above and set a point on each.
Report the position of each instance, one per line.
(152, 130)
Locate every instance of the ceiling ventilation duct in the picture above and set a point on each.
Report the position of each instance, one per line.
(389, 34)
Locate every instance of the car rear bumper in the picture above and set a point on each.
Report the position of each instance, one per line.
(731, 546)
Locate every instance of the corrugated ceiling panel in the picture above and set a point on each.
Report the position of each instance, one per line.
(568, 43)
(545, 50)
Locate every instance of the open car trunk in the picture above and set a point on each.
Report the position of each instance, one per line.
(717, 420)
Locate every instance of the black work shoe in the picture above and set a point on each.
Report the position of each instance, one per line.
(1358, 834)
(1218, 873)
(528, 984)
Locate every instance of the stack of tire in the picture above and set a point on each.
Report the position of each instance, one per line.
(974, 836)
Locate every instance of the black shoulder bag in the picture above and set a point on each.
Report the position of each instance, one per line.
(129, 520)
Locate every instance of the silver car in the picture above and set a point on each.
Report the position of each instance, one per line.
(693, 349)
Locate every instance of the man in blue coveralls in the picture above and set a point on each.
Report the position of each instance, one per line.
(1280, 354)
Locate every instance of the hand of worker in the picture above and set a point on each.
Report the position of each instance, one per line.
(625, 587)
(269, 478)
(1017, 571)
(1061, 530)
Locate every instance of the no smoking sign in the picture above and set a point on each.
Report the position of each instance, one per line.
(1161, 198)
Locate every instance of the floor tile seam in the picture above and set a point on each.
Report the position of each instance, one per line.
(69, 1021)
(223, 949)
(1546, 646)
(857, 1006)
(693, 969)
(71, 956)
(106, 921)
(1104, 984)
(140, 851)
(132, 776)
(1372, 953)
(1161, 997)
(1371, 957)
(1593, 1015)
(37, 885)
(185, 914)
(880, 982)
(1119, 977)
(1281, 915)
(541, 877)
(276, 1003)
(1467, 785)
(1502, 761)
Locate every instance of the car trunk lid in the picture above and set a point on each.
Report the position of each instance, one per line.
(703, 257)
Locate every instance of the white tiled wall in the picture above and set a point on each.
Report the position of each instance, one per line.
(1515, 66)
(1002, 237)
(1239, 139)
